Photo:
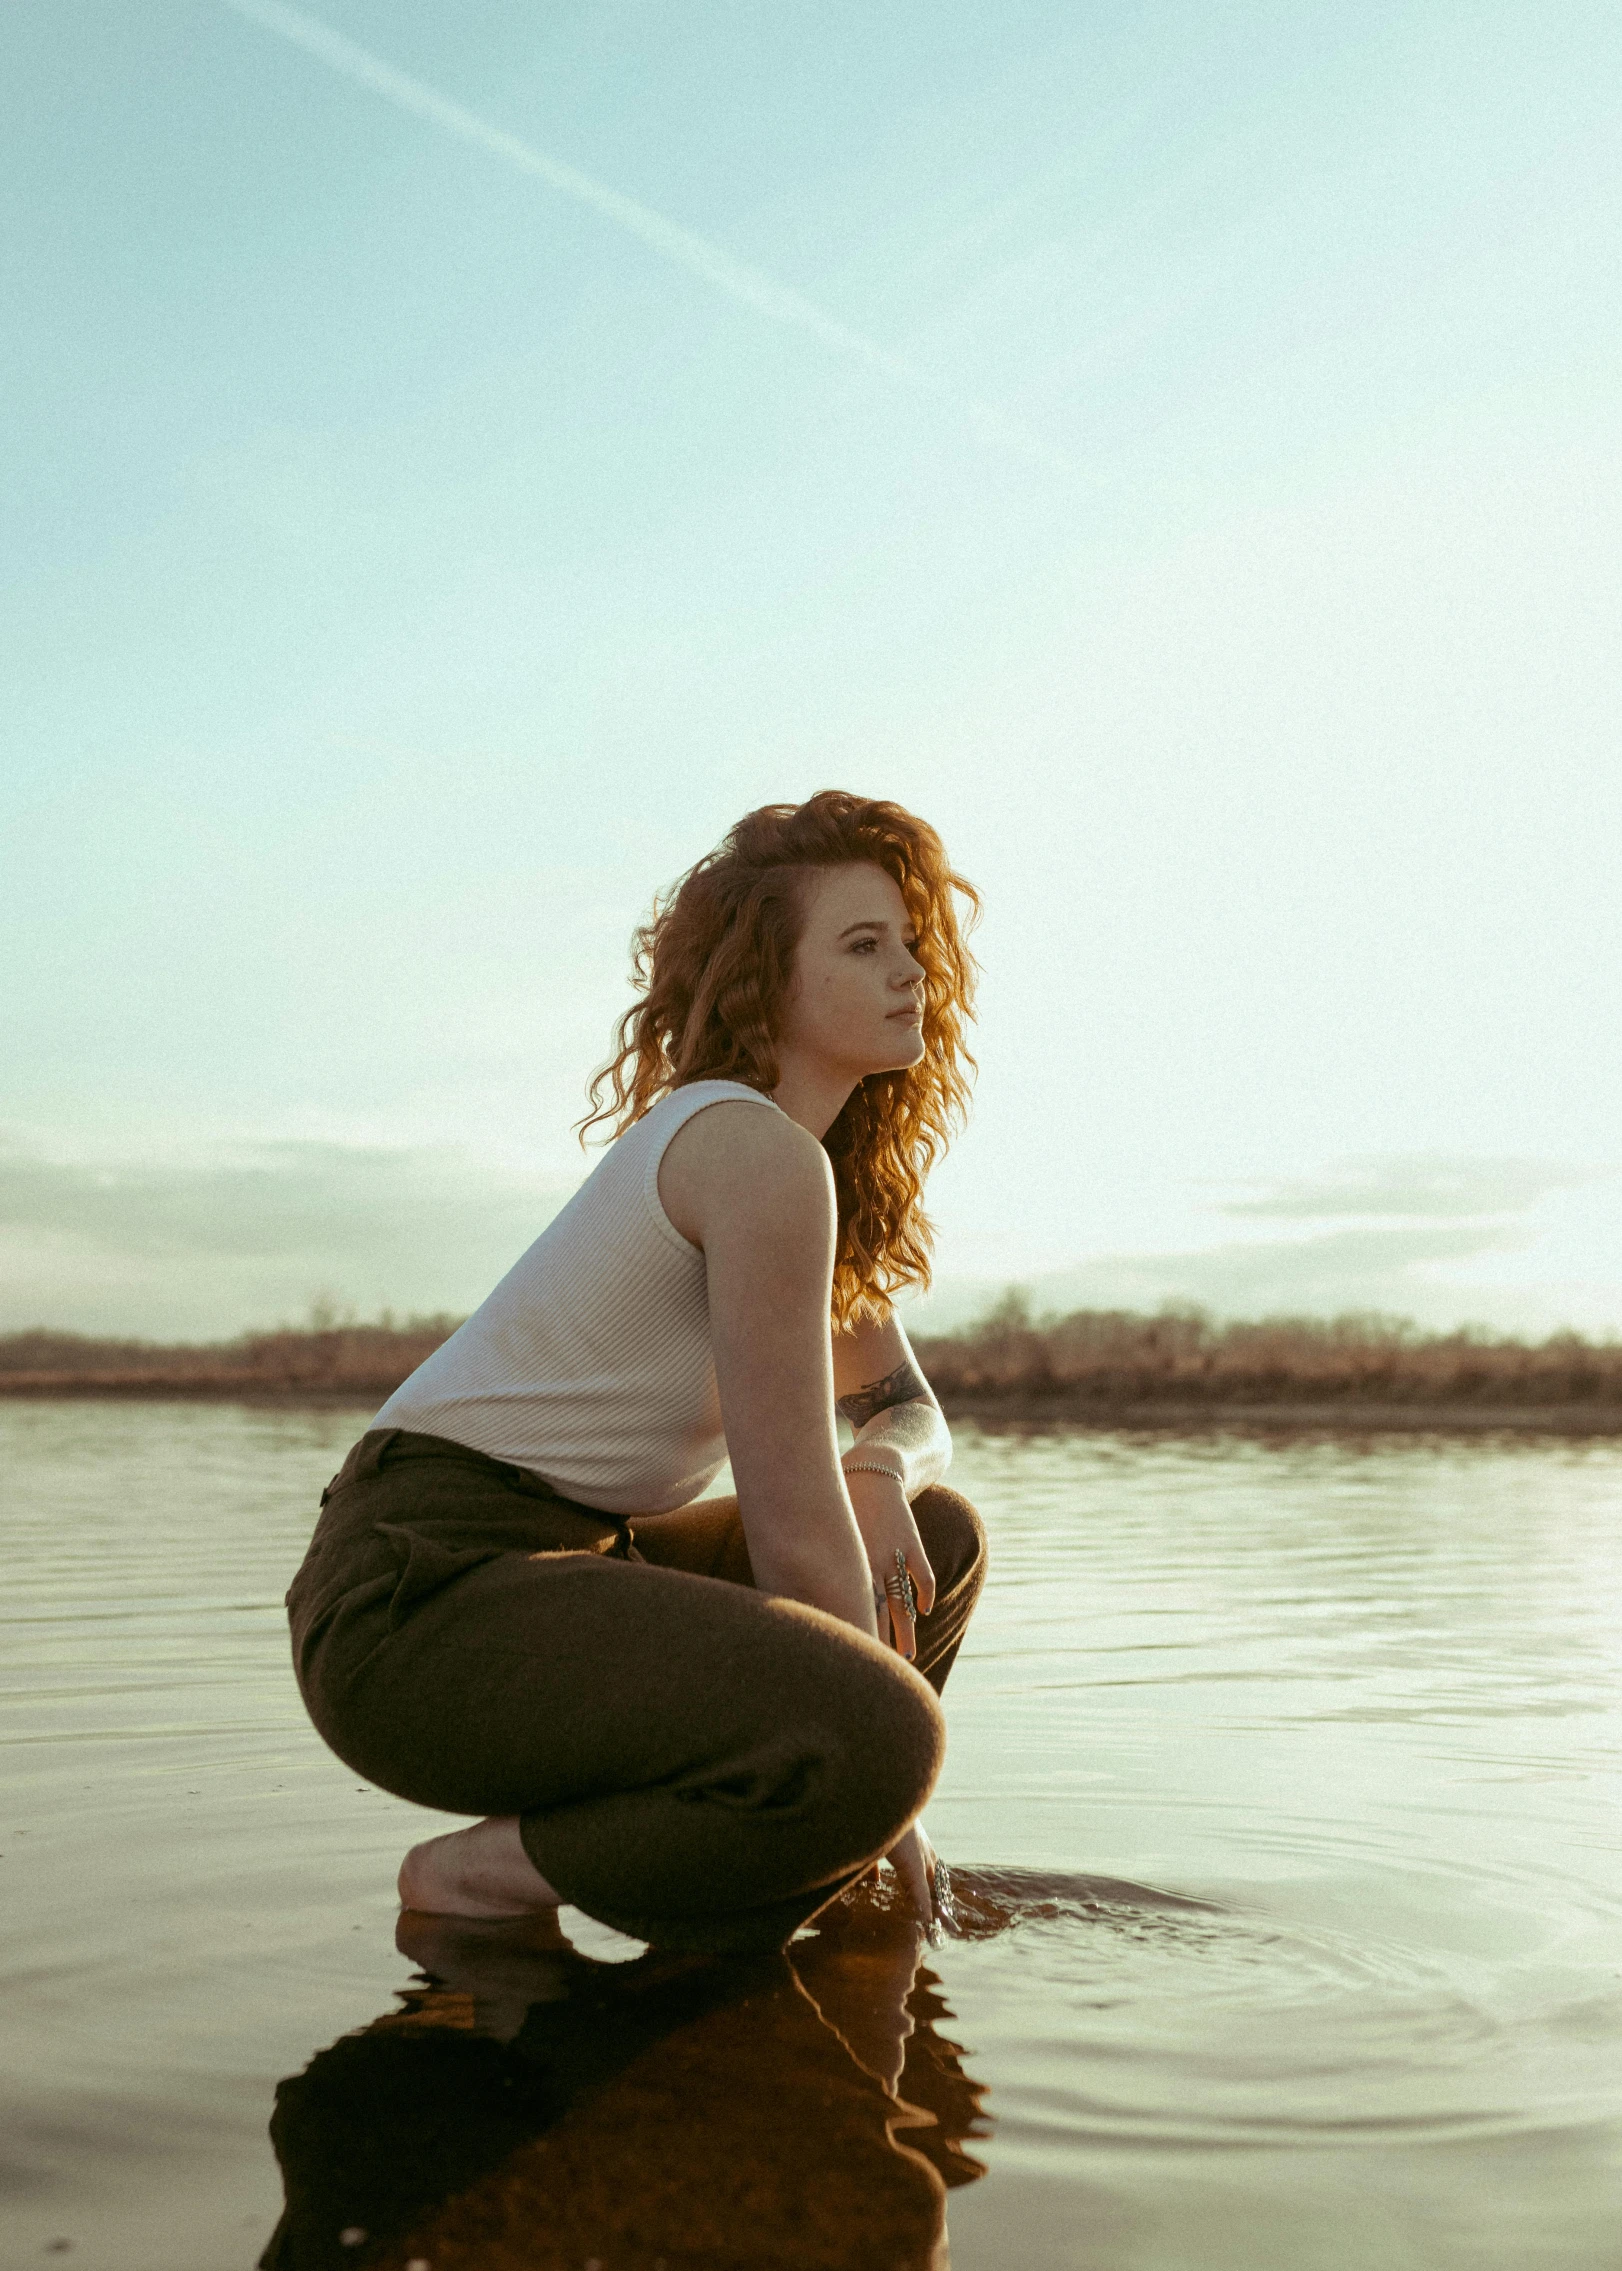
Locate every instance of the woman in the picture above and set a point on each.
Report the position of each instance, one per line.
(700, 1724)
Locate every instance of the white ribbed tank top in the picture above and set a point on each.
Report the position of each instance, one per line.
(590, 1363)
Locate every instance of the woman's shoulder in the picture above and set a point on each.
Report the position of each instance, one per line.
(728, 1152)
(695, 1110)
(698, 1095)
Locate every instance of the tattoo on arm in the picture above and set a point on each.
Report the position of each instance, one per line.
(902, 1386)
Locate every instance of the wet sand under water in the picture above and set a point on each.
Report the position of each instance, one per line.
(1283, 1803)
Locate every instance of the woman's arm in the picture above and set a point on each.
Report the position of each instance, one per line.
(890, 1404)
(755, 1191)
(902, 1446)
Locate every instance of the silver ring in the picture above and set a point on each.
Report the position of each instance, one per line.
(900, 1587)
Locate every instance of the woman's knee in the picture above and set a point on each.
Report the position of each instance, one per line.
(894, 1749)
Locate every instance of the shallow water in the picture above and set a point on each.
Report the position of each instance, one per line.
(1282, 1802)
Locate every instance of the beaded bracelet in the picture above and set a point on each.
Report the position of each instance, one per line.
(866, 1467)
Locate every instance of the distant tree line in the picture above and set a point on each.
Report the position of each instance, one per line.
(1093, 1361)
(321, 1359)
(1114, 1358)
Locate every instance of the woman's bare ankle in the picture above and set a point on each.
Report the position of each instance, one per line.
(479, 1871)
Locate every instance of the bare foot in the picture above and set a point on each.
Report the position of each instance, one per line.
(479, 1871)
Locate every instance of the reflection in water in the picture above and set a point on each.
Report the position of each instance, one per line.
(530, 2106)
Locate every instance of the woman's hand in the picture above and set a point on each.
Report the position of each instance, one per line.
(912, 1858)
(885, 1521)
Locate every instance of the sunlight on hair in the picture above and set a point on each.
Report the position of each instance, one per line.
(714, 961)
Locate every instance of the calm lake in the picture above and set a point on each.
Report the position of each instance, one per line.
(1282, 1801)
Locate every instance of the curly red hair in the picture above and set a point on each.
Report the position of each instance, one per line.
(713, 963)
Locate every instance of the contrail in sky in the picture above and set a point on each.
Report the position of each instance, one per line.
(681, 246)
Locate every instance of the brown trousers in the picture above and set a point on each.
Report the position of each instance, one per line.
(691, 1761)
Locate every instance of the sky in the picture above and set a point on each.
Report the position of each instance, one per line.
(458, 460)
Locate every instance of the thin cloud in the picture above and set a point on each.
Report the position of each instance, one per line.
(684, 248)
(1342, 1270)
(1420, 1187)
(1391, 1271)
(213, 1246)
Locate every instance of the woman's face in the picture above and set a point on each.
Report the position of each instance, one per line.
(855, 1003)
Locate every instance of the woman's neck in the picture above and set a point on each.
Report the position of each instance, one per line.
(813, 1094)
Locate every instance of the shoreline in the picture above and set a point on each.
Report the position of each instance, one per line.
(1182, 1416)
(1344, 1415)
